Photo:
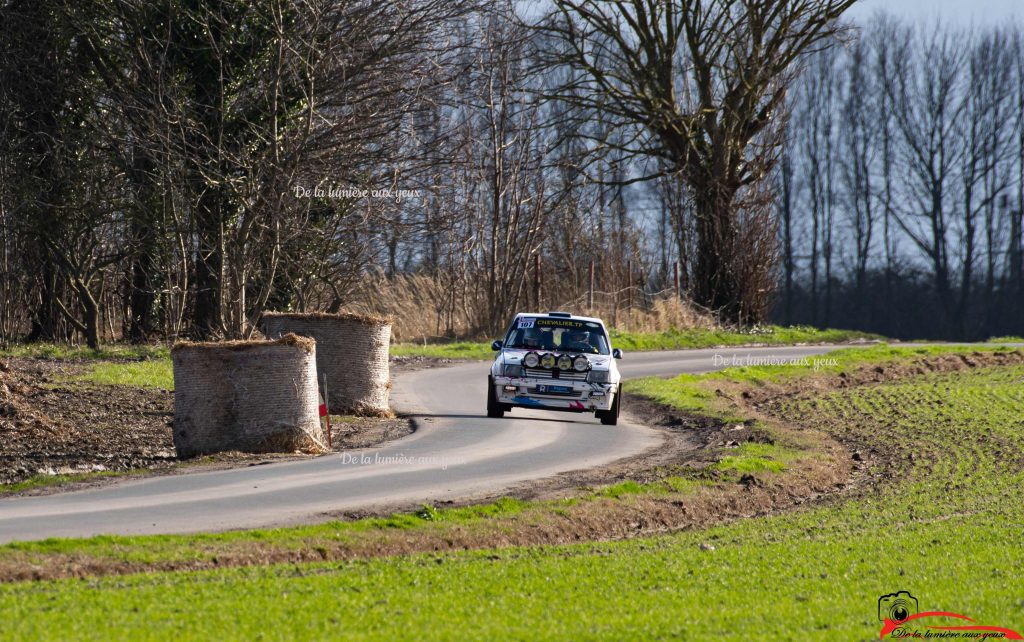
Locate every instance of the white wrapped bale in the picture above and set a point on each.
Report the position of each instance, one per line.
(250, 396)
(351, 352)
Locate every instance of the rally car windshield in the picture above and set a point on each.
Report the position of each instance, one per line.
(562, 335)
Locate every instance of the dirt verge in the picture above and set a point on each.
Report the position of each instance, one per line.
(52, 425)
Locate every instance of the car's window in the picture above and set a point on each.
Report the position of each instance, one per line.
(563, 335)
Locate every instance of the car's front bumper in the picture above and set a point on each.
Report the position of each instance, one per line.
(579, 396)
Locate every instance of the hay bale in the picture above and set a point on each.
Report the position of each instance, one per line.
(250, 396)
(351, 351)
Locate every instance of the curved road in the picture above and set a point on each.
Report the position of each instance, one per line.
(455, 453)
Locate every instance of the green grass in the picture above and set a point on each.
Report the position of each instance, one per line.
(460, 350)
(1009, 339)
(648, 341)
(44, 481)
(755, 458)
(146, 366)
(703, 338)
(699, 393)
(80, 353)
(156, 373)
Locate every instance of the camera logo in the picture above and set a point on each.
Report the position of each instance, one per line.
(897, 607)
(901, 620)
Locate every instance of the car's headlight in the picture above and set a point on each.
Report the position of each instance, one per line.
(580, 363)
(548, 360)
(565, 362)
(513, 371)
(600, 376)
(531, 360)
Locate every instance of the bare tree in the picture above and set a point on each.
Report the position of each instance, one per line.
(699, 84)
(925, 93)
(858, 145)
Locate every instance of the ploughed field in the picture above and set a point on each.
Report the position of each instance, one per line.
(75, 419)
(54, 424)
(934, 506)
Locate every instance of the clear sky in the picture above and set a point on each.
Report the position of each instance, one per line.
(966, 12)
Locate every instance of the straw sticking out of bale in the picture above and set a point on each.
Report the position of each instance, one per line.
(251, 396)
(351, 353)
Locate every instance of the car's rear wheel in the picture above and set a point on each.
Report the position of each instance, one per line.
(610, 417)
(494, 409)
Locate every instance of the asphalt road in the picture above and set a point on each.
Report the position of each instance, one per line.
(455, 453)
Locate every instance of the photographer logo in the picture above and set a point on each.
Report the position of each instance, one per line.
(901, 618)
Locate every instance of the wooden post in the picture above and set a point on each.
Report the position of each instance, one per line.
(536, 282)
(675, 276)
(629, 286)
(590, 293)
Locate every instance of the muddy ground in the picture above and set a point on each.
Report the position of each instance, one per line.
(51, 424)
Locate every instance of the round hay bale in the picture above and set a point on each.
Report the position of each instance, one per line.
(351, 352)
(250, 396)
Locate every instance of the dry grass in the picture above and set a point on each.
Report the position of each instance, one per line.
(428, 308)
(664, 313)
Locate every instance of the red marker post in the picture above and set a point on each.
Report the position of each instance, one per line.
(324, 413)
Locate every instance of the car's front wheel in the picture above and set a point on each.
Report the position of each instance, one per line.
(494, 409)
(610, 417)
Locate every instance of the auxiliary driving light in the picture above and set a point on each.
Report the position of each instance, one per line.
(531, 360)
(580, 363)
(548, 360)
(565, 362)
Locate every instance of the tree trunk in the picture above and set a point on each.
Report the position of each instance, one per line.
(715, 283)
(145, 269)
(209, 263)
(44, 325)
(208, 87)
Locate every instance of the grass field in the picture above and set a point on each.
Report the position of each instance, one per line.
(645, 341)
(942, 520)
(64, 351)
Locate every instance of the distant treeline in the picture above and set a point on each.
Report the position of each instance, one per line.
(177, 168)
(900, 189)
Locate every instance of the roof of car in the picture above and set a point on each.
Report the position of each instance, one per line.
(559, 316)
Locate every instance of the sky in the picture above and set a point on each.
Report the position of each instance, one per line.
(965, 12)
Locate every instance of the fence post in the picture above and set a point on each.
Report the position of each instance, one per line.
(675, 277)
(536, 282)
(590, 292)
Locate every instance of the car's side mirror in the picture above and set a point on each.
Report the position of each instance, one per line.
(617, 353)
(496, 346)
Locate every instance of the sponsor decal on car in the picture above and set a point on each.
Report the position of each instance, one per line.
(561, 323)
(526, 401)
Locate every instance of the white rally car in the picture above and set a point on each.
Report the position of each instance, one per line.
(555, 361)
